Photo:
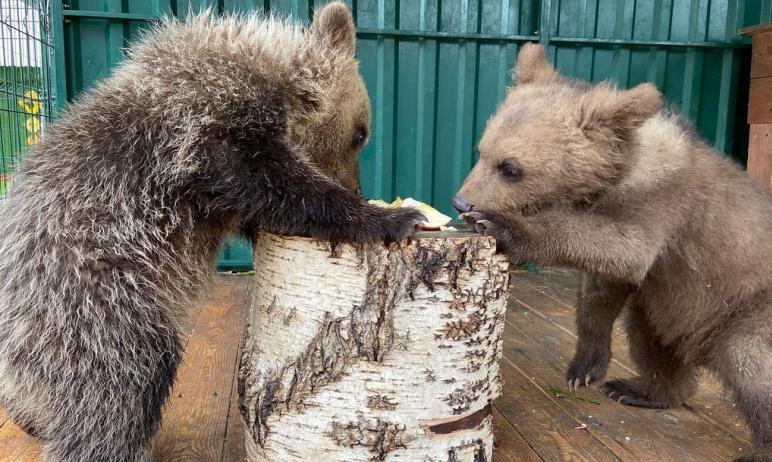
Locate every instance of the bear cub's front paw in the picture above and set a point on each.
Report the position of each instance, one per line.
(587, 367)
(484, 223)
(399, 224)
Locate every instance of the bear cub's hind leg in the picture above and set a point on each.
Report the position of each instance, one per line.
(664, 380)
(743, 361)
(116, 417)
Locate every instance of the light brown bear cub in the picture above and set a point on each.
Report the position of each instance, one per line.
(605, 181)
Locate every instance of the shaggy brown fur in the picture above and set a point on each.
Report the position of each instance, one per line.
(114, 223)
(604, 181)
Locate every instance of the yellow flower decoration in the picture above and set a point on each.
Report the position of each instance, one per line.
(30, 102)
(33, 124)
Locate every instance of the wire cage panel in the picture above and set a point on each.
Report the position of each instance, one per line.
(26, 96)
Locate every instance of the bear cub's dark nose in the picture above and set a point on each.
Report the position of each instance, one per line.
(460, 204)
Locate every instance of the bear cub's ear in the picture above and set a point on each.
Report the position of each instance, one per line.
(532, 66)
(334, 24)
(606, 109)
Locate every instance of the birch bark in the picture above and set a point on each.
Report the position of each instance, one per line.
(373, 354)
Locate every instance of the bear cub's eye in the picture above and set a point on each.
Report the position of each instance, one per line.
(510, 170)
(359, 138)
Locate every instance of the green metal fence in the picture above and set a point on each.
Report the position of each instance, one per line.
(25, 81)
(436, 69)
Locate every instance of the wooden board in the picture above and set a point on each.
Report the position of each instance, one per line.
(15, 445)
(509, 445)
(233, 448)
(548, 429)
(761, 62)
(760, 155)
(760, 101)
(196, 417)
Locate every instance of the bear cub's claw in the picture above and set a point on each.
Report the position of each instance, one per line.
(399, 224)
(587, 368)
(480, 222)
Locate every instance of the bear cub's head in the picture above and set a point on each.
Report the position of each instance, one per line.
(337, 127)
(212, 86)
(554, 140)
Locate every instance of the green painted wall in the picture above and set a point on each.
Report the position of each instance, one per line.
(436, 69)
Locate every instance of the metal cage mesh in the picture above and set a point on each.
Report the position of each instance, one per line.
(25, 80)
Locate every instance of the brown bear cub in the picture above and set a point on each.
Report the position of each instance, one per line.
(114, 222)
(605, 181)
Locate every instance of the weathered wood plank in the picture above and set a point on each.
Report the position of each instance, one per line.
(760, 101)
(760, 155)
(509, 445)
(17, 446)
(195, 420)
(233, 446)
(536, 415)
(542, 351)
(234, 449)
(761, 62)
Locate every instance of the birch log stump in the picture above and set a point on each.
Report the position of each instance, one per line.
(373, 354)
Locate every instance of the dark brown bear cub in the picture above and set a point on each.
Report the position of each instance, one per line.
(605, 181)
(115, 219)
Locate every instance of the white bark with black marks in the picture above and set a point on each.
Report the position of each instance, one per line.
(373, 354)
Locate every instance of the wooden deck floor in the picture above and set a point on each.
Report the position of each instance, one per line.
(201, 419)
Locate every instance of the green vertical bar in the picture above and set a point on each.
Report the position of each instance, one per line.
(394, 170)
(585, 55)
(621, 59)
(692, 78)
(420, 152)
(59, 66)
(379, 106)
(45, 65)
(657, 56)
(727, 96)
(458, 139)
(155, 7)
(114, 33)
(501, 68)
(476, 97)
(435, 119)
(544, 27)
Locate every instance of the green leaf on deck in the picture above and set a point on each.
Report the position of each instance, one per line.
(559, 393)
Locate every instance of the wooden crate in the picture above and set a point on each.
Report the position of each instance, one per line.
(760, 105)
